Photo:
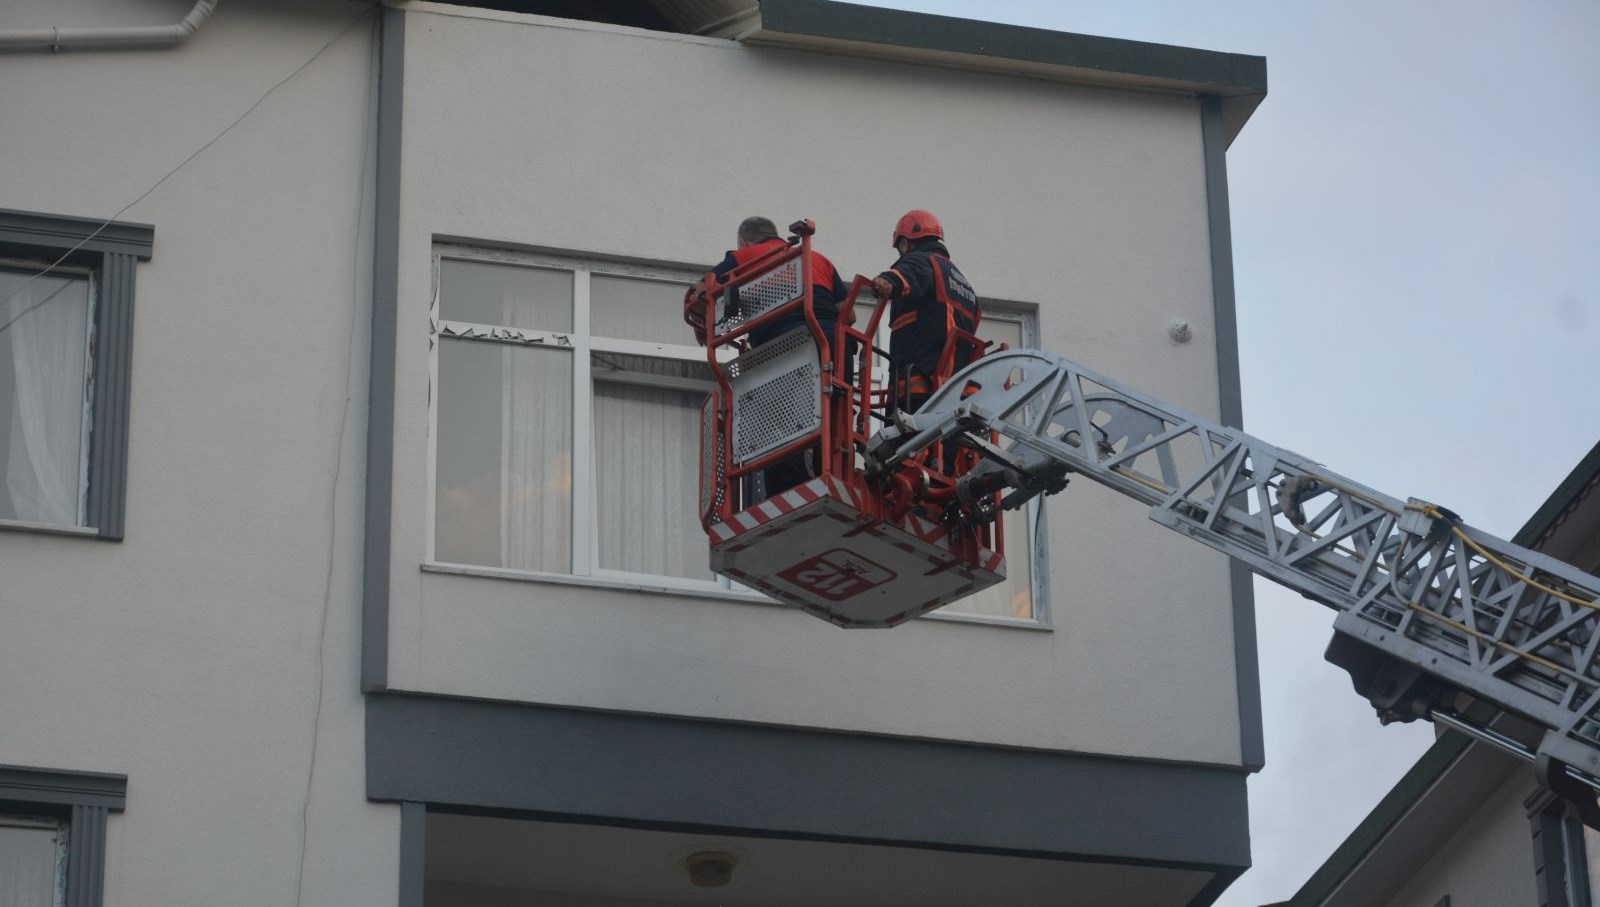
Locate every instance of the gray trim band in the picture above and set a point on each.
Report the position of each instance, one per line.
(108, 463)
(380, 375)
(62, 788)
(59, 232)
(1241, 79)
(1252, 746)
(86, 864)
(678, 773)
(1218, 72)
(413, 853)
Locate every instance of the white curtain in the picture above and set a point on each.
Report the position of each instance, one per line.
(44, 328)
(647, 449)
(504, 468)
(27, 865)
(536, 460)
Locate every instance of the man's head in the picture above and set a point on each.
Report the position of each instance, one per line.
(913, 226)
(754, 230)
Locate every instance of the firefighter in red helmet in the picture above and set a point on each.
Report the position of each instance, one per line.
(929, 299)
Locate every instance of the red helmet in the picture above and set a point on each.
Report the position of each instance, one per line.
(916, 225)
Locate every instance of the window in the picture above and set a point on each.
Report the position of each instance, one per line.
(1020, 596)
(53, 834)
(66, 308)
(567, 419)
(1564, 852)
(33, 861)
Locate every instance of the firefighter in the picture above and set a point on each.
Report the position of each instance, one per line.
(758, 236)
(929, 300)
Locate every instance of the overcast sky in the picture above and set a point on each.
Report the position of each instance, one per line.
(1417, 259)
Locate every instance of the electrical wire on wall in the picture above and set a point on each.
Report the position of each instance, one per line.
(354, 21)
(356, 308)
(369, 134)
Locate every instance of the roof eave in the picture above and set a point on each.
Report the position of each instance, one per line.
(1239, 79)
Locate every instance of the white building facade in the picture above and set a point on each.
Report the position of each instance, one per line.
(350, 469)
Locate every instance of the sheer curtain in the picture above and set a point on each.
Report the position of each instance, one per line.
(647, 451)
(504, 469)
(503, 481)
(27, 864)
(536, 460)
(44, 334)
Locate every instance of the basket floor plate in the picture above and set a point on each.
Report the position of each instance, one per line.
(813, 548)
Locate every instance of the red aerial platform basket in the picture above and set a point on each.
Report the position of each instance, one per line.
(853, 550)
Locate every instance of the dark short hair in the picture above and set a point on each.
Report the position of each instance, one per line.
(757, 229)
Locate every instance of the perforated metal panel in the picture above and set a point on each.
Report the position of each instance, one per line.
(765, 293)
(777, 395)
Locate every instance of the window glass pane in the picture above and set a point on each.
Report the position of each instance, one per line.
(1014, 597)
(633, 309)
(504, 489)
(507, 295)
(44, 349)
(647, 454)
(27, 864)
(1001, 330)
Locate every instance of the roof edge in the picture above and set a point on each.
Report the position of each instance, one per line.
(1544, 519)
(1239, 79)
(1373, 829)
(1447, 750)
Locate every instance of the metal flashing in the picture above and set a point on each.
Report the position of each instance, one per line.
(653, 771)
(381, 367)
(1252, 747)
(1239, 79)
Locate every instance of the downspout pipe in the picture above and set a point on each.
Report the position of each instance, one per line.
(124, 36)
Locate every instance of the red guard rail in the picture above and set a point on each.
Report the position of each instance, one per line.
(850, 404)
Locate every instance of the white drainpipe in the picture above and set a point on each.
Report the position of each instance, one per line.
(58, 38)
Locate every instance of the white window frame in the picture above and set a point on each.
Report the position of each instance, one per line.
(582, 344)
(1027, 318)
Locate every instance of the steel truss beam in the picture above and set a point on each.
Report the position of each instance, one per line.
(1464, 610)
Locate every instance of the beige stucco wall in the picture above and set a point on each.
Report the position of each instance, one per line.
(190, 656)
(1089, 203)
(1487, 863)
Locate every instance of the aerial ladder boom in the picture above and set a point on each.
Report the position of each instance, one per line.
(1427, 606)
